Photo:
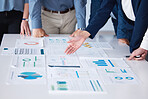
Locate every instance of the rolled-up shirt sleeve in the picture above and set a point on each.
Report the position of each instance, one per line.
(26, 1)
(144, 43)
(80, 6)
(35, 13)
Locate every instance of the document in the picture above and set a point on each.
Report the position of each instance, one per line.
(90, 52)
(7, 51)
(33, 42)
(74, 80)
(118, 76)
(29, 51)
(27, 61)
(100, 45)
(102, 62)
(27, 76)
(58, 50)
(62, 61)
(49, 41)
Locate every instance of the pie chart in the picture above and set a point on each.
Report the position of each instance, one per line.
(29, 75)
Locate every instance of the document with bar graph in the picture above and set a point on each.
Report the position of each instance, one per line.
(74, 80)
(111, 70)
(26, 61)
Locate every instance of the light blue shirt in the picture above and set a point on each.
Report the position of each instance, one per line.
(8, 5)
(57, 5)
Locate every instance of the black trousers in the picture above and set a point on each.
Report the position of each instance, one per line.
(10, 22)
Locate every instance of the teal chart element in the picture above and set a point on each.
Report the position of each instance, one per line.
(119, 78)
(29, 75)
(100, 63)
(129, 78)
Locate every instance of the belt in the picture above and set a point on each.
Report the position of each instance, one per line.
(60, 12)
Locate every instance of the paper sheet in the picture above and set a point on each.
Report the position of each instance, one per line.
(7, 51)
(58, 50)
(63, 62)
(49, 41)
(118, 76)
(29, 51)
(27, 76)
(102, 62)
(26, 61)
(90, 52)
(33, 42)
(100, 45)
(70, 80)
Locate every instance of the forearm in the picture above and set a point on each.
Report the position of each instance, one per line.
(26, 11)
(140, 25)
(35, 13)
(80, 6)
(101, 17)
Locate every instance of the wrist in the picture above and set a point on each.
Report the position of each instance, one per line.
(25, 19)
(85, 34)
(82, 29)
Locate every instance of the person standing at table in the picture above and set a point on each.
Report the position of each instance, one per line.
(123, 34)
(12, 17)
(135, 12)
(57, 16)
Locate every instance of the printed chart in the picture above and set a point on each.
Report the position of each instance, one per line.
(100, 45)
(28, 61)
(77, 80)
(118, 76)
(58, 50)
(63, 62)
(56, 41)
(29, 43)
(27, 76)
(103, 62)
(90, 52)
(29, 51)
(76, 86)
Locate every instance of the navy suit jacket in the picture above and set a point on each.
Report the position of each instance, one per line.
(140, 25)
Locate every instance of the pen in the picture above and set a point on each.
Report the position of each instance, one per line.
(134, 56)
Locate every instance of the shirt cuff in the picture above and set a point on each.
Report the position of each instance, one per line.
(36, 24)
(90, 31)
(81, 25)
(26, 1)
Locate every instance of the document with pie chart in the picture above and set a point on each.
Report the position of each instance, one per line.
(27, 76)
(34, 42)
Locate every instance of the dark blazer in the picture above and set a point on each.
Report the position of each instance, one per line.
(140, 25)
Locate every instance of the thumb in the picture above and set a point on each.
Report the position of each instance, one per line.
(46, 35)
(72, 35)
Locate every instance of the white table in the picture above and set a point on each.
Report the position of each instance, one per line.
(122, 91)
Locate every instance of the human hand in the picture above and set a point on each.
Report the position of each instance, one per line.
(140, 51)
(25, 28)
(76, 42)
(76, 33)
(39, 33)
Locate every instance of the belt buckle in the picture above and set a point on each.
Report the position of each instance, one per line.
(59, 12)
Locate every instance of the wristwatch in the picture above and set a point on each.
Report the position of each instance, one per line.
(81, 29)
(25, 19)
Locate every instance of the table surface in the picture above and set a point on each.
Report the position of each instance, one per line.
(120, 91)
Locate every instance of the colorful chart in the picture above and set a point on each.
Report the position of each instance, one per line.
(29, 75)
(100, 63)
(31, 43)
